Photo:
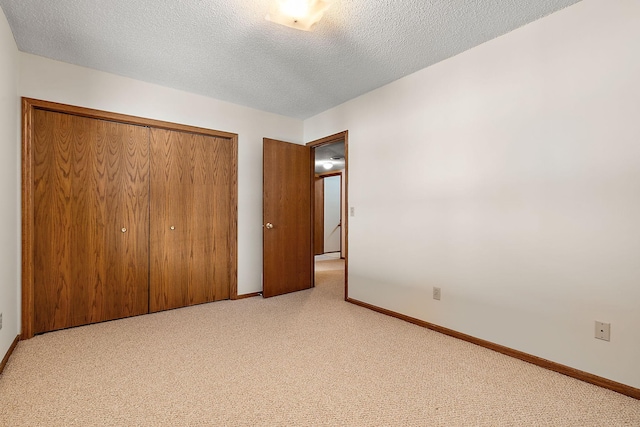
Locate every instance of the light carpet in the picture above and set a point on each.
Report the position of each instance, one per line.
(303, 359)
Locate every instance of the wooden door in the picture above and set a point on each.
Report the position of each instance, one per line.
(287, 232)
(90, 195)
(192, 246)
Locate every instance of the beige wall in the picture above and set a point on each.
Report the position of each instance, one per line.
(515, 188)
(9, 188)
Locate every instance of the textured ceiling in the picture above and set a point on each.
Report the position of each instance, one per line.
(225, 49)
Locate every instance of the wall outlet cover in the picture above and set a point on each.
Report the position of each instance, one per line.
(603, 331)
(436, 293)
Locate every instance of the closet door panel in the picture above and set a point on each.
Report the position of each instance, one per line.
(89, 185)
(169, 230)
(200, 277)
(210, 214)
(222, 211)
(126, 293)
(52, 155)
(191, 178)
(88, 255)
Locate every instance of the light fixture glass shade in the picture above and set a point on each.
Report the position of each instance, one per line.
(299, 14)
(327, 165)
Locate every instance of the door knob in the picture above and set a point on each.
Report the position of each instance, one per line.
(269, 225)
(172, 228)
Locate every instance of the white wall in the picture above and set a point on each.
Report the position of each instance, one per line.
(9, 188)
(513, 184)
(50, 80)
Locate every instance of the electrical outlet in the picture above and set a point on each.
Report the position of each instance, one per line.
(603, 331)
(0, 321)
(352, 211)
(436, 293)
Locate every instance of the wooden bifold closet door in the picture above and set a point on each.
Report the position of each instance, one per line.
(190, 223)
(123, 216)
(91, 225)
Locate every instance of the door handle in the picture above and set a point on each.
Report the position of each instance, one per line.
(269, 225)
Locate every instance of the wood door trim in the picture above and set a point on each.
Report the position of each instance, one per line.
(6, 357)
(251, 295)
(28, 314)
(123, 118)
(535, 360)
(29, 105)
(337, 137)
(328, 174)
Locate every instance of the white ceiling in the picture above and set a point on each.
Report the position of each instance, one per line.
(225, 49)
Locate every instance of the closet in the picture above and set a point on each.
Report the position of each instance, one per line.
(123, 216)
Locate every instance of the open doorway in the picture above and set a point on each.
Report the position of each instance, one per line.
(330, 225)
(327, 219)
(327, 216)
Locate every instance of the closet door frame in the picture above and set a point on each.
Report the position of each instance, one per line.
(29, 105)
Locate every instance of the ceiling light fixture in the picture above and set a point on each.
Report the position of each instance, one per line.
(327, 165)
(299, 14)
